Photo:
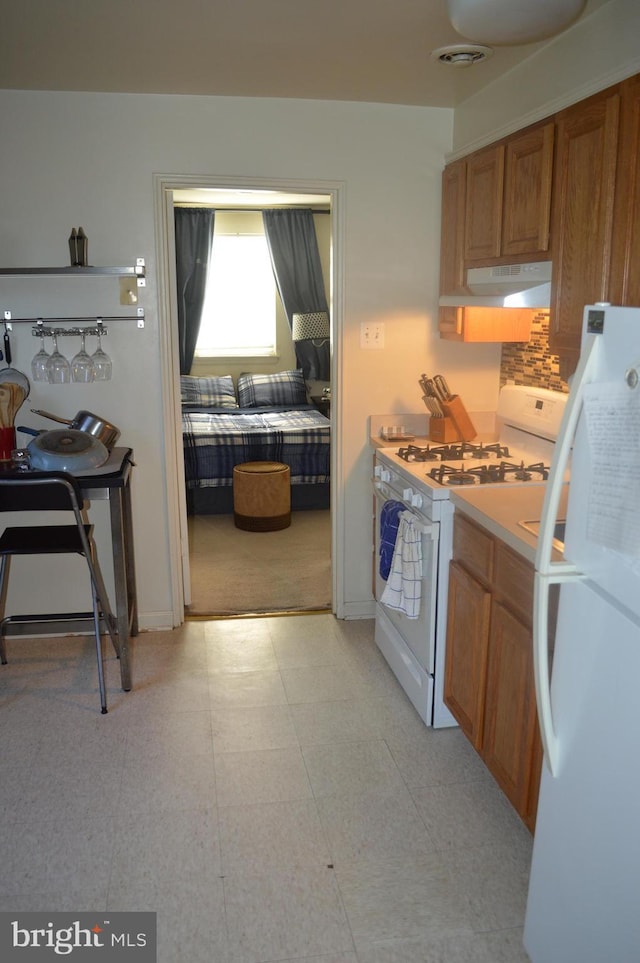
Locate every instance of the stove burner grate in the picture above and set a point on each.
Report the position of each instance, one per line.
(454, 452)
(494, 474)
(415, 453)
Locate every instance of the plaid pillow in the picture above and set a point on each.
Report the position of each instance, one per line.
(208, 392)
(281, 388)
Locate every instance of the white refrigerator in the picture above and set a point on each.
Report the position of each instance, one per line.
(584, 890)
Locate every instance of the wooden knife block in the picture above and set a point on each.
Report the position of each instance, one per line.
(443, 430)
(456, 411)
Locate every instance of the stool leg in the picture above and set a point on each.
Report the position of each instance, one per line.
(96, 627)
(98, 587)
(4, 577)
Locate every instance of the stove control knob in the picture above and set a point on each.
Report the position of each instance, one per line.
(416, 500)
(385, 475)
(407, 495)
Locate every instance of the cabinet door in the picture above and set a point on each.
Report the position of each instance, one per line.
(510, 722)
(483, 220)
(468, 612)
(452, 275)
(582, 218)
(625, 276)
(527, 192)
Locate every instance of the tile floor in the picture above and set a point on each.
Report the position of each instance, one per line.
(267, 789)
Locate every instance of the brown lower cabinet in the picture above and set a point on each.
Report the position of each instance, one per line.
(489, 684)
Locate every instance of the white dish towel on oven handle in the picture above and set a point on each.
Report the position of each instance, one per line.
(404, 585)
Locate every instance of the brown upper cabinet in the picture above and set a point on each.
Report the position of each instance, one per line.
(508, 197)
(483, 220)
(582, 217)
(526, 207)
(625, 275)
(495, 205)
(452, 270)
(567, 190)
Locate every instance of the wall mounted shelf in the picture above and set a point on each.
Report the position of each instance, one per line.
(138, 270)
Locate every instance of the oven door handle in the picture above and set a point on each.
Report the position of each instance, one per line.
(383, 493)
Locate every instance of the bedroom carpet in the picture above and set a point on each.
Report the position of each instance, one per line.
(234, 572)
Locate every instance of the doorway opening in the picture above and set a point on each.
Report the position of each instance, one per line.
(225, 571)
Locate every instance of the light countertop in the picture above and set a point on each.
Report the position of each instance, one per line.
(499, 509)
(417, 424)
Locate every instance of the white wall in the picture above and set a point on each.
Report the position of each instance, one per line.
(593, 54)
(88, 159)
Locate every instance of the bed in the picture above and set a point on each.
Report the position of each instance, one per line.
(266, 418)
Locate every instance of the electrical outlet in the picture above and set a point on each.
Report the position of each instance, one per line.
(372, 334)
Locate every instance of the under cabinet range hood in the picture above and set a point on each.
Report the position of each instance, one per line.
(505, 286)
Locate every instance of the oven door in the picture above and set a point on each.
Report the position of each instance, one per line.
(417, 633)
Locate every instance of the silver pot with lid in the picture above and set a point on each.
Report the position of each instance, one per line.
(66, 449)
(89, 423)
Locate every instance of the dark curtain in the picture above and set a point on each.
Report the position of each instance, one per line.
(293, 246)
(194, 237)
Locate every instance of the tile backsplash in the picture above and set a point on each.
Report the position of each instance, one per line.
(531, 362)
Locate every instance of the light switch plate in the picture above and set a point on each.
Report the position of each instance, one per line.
(371, 334)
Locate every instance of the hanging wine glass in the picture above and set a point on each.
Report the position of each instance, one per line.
(81, 364)
(102, 365)
(39, 363)
(58, 368)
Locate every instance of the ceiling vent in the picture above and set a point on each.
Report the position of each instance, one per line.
(462, 54)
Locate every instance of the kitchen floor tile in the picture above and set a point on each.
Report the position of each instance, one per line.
(433, 757)
(402, 899)
(269, 775)
(493, 882)
(280, 835)
(323, 683)
(352, 767)
(247, 689)
(151, 854)
(284, 915)
(473, 813)
(319, 723)
(308, 648)
(163, 783)
(251, 728)
(373, 827)
(267, 789)
(58, 853)
(501, 947)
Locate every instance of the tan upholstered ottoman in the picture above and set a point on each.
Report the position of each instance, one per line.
(262, 496)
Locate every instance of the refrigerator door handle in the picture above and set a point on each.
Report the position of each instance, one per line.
(548, 572)
(541, 675)
(560, 461)
(541, 671)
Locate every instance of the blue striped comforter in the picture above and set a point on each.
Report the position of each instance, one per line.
(215, 440)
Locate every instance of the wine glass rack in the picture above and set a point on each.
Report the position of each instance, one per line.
(97, 319)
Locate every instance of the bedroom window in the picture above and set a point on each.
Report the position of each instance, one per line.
(239, 312)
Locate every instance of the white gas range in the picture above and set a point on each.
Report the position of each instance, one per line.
(418, 480)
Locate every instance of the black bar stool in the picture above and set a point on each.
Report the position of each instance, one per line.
(39, 492)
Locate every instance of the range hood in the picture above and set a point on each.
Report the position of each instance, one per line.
(505, 286)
